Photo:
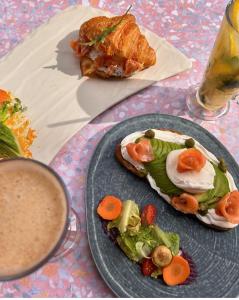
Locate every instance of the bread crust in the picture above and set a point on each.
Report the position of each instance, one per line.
(126, 41)
(133, 170)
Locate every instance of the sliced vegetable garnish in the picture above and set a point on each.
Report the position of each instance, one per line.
(129, 220)
(148, 215)
(147, 267)
(191, 160)
(161, 256)
(185, 203)
(228, 207)
(146, 244)
(141, 151)
(109, 208)
(177, 271)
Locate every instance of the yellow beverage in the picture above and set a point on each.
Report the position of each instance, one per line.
(221, 79)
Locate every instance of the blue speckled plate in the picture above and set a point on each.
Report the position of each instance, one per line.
(215, 253)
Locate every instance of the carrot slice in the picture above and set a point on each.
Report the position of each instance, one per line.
(109, 207)
(177, 271)
(191, 160)
(141, 151)
(228, 207)
(4, 96)
(185, 203)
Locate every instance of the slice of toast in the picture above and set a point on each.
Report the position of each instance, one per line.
(142, 174)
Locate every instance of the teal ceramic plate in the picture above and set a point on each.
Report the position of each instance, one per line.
(215, 253)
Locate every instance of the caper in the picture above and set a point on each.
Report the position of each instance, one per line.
(223, 168)
(203, 209)
(222, 161)
(222, 165)
(203, 212)
(150, 134)
(189, 143)
(143, 173)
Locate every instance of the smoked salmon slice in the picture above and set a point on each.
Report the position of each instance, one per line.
(191, 160)
(228, 207)
(185, 203)
(141, 151)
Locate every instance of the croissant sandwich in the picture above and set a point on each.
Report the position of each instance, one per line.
(184, 173)
(16, 135)
(112, 47)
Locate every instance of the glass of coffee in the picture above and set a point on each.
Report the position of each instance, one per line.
(36, 221)
(221, 79)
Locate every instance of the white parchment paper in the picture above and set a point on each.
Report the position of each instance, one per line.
(43, 72)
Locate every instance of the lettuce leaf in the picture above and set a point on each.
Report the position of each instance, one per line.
(148, 237)
(168, 239)
(130, 243)
(8, 145)
(129, 220)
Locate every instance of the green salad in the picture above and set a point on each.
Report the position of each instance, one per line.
(142, 240)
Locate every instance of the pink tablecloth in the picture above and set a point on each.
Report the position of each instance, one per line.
(188, 24)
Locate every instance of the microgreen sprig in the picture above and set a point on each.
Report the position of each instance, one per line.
(8, 108)
(100, 38)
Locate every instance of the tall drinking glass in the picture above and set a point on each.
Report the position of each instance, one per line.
(220, 83)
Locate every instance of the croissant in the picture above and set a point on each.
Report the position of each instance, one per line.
(120, 53)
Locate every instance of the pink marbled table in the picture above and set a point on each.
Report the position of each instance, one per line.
(189, 25)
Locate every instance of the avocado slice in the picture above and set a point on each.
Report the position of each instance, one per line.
(157, 167)
(210, 198)
(8, 144)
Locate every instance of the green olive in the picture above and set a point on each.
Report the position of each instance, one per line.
(161, 256)
(190, 143)
(150, 134)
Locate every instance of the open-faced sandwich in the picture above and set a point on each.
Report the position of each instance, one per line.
(144, 242)
(112, 47)
(16, 136)
(184, 173)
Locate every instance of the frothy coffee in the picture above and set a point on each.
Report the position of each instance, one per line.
(33, 213)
